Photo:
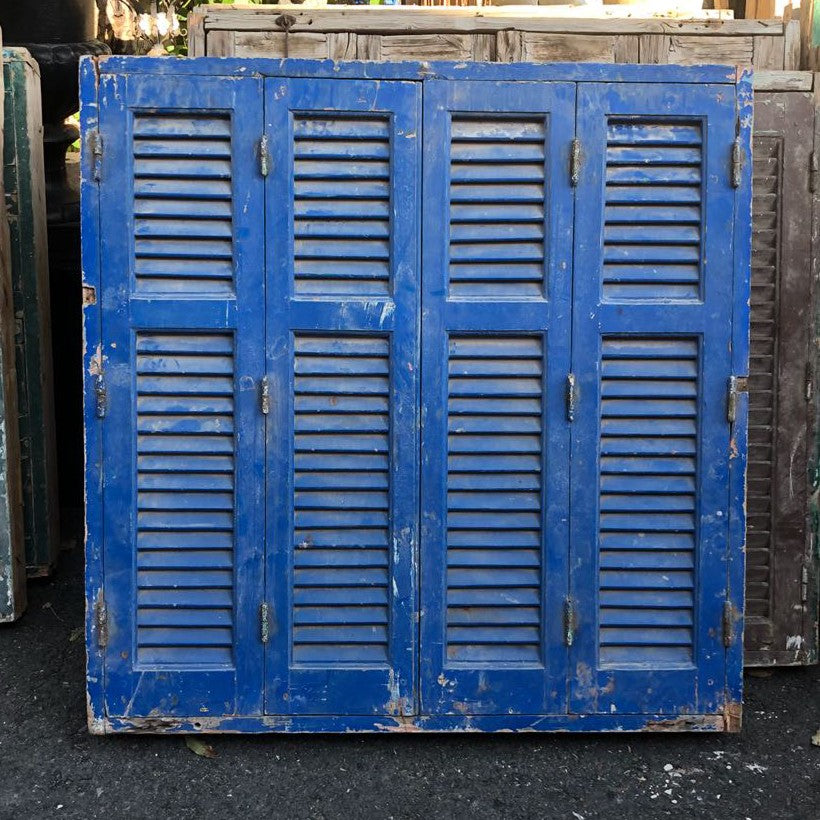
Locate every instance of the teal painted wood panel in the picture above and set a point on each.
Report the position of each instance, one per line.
(12, 559)
(26, 207)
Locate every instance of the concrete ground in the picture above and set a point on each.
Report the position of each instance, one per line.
(51, 767)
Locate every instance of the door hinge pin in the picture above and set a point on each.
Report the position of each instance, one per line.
(572, 396)
(814, 171)
(575, 162)
(264, 396)
(95, 145)
(264, 621)
(100, 396)
(264, 156)
(101, 621)
(737, 163)
(569, 621)
(737, 385)
(728, 624)
(804, 584)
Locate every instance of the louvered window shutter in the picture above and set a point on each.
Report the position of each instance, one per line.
(343, 434)
(495, 344)
(651, 448)
(183, 306)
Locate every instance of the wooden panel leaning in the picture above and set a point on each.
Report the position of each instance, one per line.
(26, 206)
(490, 33)
(12, 547)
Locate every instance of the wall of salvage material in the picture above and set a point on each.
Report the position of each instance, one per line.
(782, 576)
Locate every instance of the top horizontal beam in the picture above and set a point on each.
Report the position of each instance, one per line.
(483, 19)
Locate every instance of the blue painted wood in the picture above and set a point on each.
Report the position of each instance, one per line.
(202, 508)
(651, 450)
(183, 449)
(342, 435)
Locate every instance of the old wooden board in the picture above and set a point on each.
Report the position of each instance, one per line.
(12, 549)
(26, 207)
(494, 34)
(781, 623)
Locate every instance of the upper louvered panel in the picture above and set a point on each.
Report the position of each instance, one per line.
(183, 225)
(648, 476)
(652, 210)
(341, 562)
(497, 206)
(766, 205)
(494, 491)
(342, 201)
(185, 498)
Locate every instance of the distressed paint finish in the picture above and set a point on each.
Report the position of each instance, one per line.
(26, 206)
(12, 546)
(252, 508)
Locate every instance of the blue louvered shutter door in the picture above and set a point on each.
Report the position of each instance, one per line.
(182, 253)
(651, 351)
(495, 357)
(343, 427)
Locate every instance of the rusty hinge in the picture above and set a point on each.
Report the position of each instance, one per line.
(101, 620)
(264, 156)
(264, 622)
(737, 163)
(100, 396)
(95, 147)
(264, 395)
(737, 385)
(804, 584)
(814, 171)
(728, 624)
(575, 162)
(570, 621)
(572, 396)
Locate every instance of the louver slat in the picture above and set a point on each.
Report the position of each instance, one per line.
(766, 186)
(494, 529)
(341, 499)
(185, 499)
(497, 189)
(183, 224)
(647, 525)
(652, 211)
(341, 207)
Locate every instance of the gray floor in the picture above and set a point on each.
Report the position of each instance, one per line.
(50, 766)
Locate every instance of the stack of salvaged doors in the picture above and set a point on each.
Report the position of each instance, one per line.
(782, 556)
(28, 505)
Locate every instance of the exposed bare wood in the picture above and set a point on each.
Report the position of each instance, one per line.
(783, 81)
(221, 43)
(484, 47)
(654, 49)
(368, 47)
(768, 53)
(509, 47)
(791, 46)
(694, 50)
(196, 34)
(427, 47)
(545, 48)
(626, 48)
(342, 45)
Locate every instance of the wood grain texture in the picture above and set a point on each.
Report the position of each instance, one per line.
(769, 53)
(547, 48)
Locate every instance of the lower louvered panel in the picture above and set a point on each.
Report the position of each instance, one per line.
(762, 367)
(341, 560)
(494, 491)
(185, 500)
(648, 475)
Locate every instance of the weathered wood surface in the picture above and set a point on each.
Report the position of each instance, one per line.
(26, 207)
(781, 624)
(12, 548)
(502, 34)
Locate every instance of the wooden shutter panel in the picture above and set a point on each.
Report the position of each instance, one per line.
(779, 626)
(182, 448)
(496, 289)
(651, 448)
(343, 431)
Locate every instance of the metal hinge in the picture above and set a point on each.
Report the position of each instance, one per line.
(570, 621)
(737, 384)
(737, 163)
(814, 171)
(264, 395)
(264, 622)
(804, 584)
(572, 396)
(95, 147)
(100, 396)
(728, 624)
(575, 162)
(101, 621)
(264, 156)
